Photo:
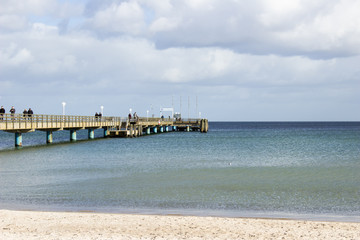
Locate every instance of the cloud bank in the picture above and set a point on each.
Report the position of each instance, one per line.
(244, 60)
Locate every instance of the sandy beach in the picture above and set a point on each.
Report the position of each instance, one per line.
(71, 225)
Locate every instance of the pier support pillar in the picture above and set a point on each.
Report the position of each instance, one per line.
(202, 125)
(131, 130)
(106, 132)
(174, 128)
(72, 135)
(49, 136)
(155, 129)
(166, 128)
(188, 128)
(18, 139)
(161, 129)
(148, 131)
(91, 133)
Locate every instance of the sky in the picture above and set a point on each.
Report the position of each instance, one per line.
(225, 60)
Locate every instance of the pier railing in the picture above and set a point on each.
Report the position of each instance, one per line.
(26, 122)
(10, 122)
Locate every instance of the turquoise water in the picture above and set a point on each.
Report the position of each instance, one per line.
(236, 169)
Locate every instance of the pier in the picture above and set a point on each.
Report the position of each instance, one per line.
(113, 126)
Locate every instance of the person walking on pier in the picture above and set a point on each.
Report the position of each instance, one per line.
(2, 111)
(96, 116)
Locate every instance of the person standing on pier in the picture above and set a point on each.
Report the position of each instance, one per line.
(25, 113)
(30, 113)
(12, 111)
(2, 111)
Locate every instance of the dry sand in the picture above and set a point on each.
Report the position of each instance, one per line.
(69, 225)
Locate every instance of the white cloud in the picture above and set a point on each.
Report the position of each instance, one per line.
(15, 57)
(36, 7)
(31, 8)
(40, 30)
(126, 17)
(335, 30)
(12, 22)
(200, 4)
(279, 11)
(163, 24)
(161, 8)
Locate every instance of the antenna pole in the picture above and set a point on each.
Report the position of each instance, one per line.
(188, 107)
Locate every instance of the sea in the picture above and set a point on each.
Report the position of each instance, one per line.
(296, 170)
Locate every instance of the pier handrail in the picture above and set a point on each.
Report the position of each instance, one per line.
(20, 121)
(26, 121)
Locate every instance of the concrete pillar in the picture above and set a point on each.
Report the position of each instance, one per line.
(91, 134)
(148, 131)
(140, 130)
(106, 133)
(18, 140)
(73, 135)
(131, 130)
(161, 129)
(188, 128)
(155, 129)
(49, 136)
(166, 128)
(174, 128)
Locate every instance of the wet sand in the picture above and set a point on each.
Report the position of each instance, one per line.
(71, 225)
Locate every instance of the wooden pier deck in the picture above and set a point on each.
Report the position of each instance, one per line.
(113, 126)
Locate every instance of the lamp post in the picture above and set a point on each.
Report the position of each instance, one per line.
(102, 110)
(63, 107)
(147, 115)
